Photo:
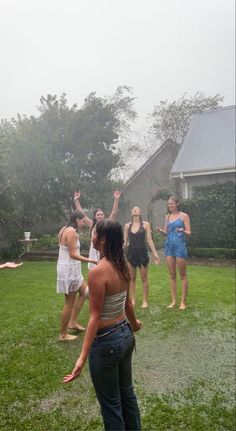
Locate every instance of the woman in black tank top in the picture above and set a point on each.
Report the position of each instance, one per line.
(137, 249)
(137, 235)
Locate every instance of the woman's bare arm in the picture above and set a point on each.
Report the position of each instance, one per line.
(71, 239)
(115, 207)
(129, 310)
(164, 231)
(77, 196)
(186, 229)
(150, 242)
(96, 301)
(126, 235)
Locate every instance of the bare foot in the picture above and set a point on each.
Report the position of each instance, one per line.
(67, 337)
(172, 305)
(77, 327)
(144, 304)
(182, 306)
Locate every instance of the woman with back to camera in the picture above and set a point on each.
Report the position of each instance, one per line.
(109, 339)
(136, 234)
(177, 227)
(70, 280)
(97, 216)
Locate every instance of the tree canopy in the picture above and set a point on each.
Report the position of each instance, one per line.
(45, 158)
(170, 120)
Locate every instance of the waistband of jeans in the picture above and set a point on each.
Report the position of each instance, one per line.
(109, 329)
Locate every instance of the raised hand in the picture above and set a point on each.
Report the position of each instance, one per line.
(77, 195)
(117, 194)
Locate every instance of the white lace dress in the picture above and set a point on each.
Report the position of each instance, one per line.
(69, 274)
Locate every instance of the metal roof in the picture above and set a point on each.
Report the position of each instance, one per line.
(209, 145)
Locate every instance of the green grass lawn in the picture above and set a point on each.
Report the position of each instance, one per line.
(183, 369)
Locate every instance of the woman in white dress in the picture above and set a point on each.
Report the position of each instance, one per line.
(97, 216)
(70, 280)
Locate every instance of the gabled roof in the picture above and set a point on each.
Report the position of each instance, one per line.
(209, 145)
(143, 167)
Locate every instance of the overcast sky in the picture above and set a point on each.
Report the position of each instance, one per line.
(161, 48)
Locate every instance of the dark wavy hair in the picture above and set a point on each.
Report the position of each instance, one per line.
(94, 218)
(73, 217)
(111, 232)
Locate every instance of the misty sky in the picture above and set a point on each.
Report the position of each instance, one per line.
(161, 48)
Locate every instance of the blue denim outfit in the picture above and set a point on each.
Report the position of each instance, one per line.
(175, 244)
(110, 368)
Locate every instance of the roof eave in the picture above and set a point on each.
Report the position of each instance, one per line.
(182, 174)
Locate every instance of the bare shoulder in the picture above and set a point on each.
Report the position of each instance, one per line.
(101, 268)
(98, 274)
(71, 231)
(146, 224)
(184, 215)
(61, 230)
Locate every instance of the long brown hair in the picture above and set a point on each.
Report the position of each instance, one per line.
(111, 232)
(73, 217)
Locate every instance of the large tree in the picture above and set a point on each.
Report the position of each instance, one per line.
(63, 149)
(170, 120)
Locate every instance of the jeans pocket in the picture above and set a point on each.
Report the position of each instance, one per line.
(108, 352)
(109, 355)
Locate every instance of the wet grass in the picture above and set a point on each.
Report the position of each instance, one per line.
(183, 369)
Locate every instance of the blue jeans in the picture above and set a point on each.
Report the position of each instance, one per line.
(110, 368)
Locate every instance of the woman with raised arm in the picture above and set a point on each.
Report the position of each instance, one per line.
(138, 235)
(177, 227)
(109, 339)
(97, 216)
(70, 280)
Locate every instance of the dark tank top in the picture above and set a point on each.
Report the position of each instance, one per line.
(137, 253)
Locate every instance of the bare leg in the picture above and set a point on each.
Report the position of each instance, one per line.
(144, 277)
(181, 263)
(65, 317)
(171, 264)
(132, 272)
(80, 298)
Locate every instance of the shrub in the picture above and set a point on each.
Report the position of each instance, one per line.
(158, 239)
(212, 216)
(50, 242)
(10, 253)
(46, 242)
(85, 239)
(217, 253)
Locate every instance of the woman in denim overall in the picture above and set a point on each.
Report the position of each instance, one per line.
(177, 228)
